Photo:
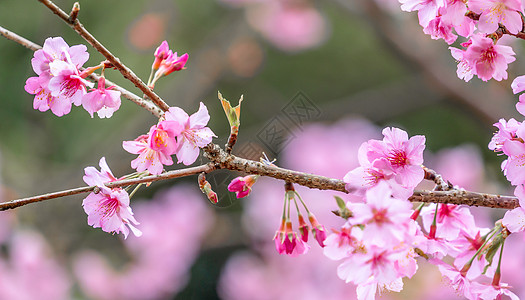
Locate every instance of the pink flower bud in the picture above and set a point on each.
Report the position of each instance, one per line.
(242, 186)
(162, 52)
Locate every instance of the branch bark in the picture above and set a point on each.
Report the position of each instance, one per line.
(120, 183)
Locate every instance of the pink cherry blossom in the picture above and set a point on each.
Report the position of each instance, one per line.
(518, 86)
(457, 279)
(514, 220)
(488, 60)
(94, 177)
(454, 13)
(401, 155)
(318, 230)
(361, 266)
(67, 82)
(464, 71)
(108, 208)
(506, 131)
(450, 219)
(194, 134)
(57, 49)
(242, 186)
(427, 9)
(489, 291)
(385, 218)
(161, 53)
(469, 245)
(44, 101)
(494, 12)
(154, 150)
(101, 100)
(439, 28)
(172, 63)
(513, 166)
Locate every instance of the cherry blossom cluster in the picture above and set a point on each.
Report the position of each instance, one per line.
(482, 22)
(61, 81)
(381, 238)
(175, 134)
(509, 141)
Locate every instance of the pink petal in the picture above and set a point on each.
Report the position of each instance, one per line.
(200, 118)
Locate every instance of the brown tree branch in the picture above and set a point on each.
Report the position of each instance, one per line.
(120, 183)
(231, 162)
(124, 70)
(18, 39)
(222, 160)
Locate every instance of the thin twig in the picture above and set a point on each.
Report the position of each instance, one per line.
(441, 184)
(120, 183)
(124, 70)
(16, 38)
(149, 106)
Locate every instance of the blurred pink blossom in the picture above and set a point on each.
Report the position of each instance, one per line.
(289, 27)
(31, 272)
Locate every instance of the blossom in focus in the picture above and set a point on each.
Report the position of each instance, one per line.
(385, 218)
(44, 100)
(101, 100)
(67, 82)
(506, 132)
(57, 49)
(494, 12)
(194, 134)
(94, 177)
(59, 83)
(161, 53)
(172, 63)
(242, 186)
(108, 208)
(396, 155)
(488, 60)
(318, 230)
(464, 71)
(154, 150)
(450, 219)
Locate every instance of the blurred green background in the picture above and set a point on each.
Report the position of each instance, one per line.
(370, 63)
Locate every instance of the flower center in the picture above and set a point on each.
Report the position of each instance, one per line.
(398, 158)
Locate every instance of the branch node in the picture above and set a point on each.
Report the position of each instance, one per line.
(73, 15)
